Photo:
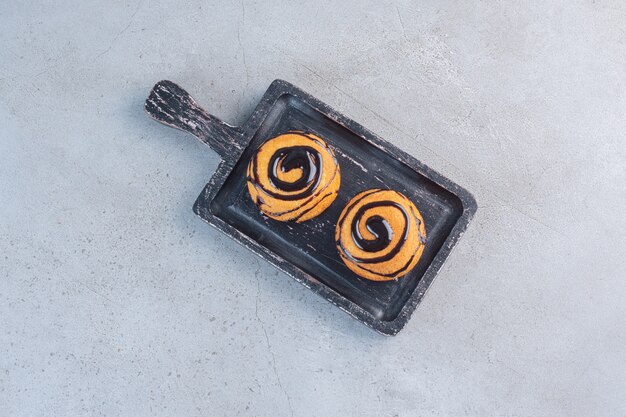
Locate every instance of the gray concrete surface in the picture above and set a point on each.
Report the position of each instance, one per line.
(115, 299)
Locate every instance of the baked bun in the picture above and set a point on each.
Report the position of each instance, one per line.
(380, 235)
(293, 177)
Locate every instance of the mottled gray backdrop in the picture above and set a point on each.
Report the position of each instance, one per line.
(115, 299)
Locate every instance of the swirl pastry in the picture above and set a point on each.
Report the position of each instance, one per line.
(380, 235)
(293, 177)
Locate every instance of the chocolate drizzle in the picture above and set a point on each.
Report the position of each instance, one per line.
(380, 228)
(286, 159)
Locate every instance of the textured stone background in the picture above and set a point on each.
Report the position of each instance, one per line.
(116, 300)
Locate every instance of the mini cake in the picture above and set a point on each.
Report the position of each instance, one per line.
(380, 235)
(293, 177)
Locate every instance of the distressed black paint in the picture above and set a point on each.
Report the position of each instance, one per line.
(306, 251)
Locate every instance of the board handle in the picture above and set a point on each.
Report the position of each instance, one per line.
(171, 105)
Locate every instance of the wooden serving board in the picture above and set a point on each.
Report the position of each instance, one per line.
(306, 251)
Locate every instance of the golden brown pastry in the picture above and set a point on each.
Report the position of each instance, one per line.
(380, 235)
(293, 177)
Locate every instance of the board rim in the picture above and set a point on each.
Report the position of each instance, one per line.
(202, 207)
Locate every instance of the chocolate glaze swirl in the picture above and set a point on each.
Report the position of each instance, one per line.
(284, 160)
(381, 229)
(293, 177)
(380, 235)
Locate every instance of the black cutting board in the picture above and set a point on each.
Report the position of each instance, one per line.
(307, 250)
